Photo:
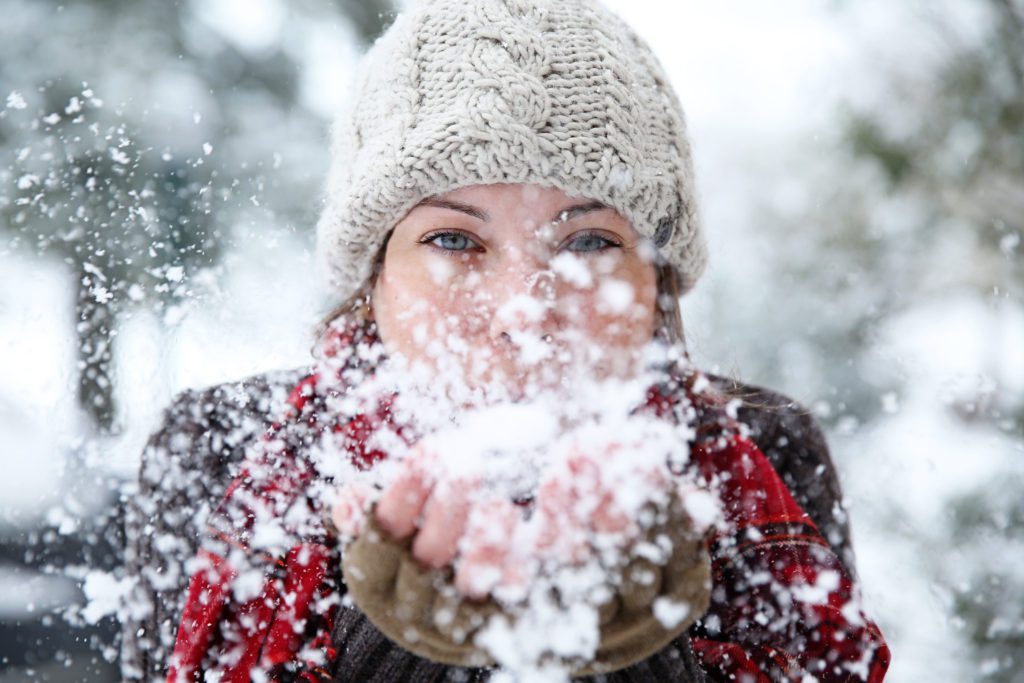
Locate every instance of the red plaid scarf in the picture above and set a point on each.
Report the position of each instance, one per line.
(783, 606)
(282, 623)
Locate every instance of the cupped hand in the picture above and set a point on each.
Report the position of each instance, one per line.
(442, 516)
(459, 522)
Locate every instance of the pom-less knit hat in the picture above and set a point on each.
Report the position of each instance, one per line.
(558, 93)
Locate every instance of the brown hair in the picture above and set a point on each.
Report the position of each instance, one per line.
(360, 302)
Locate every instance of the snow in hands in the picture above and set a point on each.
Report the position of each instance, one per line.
(536, 502)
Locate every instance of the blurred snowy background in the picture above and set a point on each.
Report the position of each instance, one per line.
(862, 172)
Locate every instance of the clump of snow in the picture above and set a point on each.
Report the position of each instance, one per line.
(522, 307)
(620, 178)
(524, 647)
(615, 296)
(104, 594)
(15, 100)
(704, 508)
(118, 156)
(270, 535)
(1008, 244)
(174, 274)
(440, 271)
(669, 612)
(248, 584)
(817, 593)
(572, 269)
(587, 457)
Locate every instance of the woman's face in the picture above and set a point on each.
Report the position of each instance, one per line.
(516, 286)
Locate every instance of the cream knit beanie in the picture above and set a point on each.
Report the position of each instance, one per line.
(558, 93)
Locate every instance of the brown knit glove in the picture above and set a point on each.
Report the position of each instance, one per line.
(420, 609)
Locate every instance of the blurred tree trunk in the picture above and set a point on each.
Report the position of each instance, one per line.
(85, 172)
(95, 332)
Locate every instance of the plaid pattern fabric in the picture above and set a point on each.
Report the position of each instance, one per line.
(783, 607)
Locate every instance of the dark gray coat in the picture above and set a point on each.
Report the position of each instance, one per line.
(195, 453)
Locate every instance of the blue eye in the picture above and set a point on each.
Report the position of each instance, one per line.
(450, 241)
(589, 242)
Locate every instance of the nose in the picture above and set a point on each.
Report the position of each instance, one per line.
(525, 307)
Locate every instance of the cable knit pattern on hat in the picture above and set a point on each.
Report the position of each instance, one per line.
(558, 93)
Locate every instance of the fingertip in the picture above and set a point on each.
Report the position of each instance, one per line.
(436, 545)
(444, 523)
(402, 504)
(475, 580)
(348, 513)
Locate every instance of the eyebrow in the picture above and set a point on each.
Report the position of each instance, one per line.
(565, 214)
(576, 210)
(456, 206)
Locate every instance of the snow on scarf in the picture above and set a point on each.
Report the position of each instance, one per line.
(264, 588)
(263, 594)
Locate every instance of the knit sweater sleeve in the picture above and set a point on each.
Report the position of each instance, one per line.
(185, 467)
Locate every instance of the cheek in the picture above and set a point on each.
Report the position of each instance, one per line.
(644, 315)
(618, 309)
(412, 309)
(400, 309)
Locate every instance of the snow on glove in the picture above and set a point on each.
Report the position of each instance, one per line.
(421, 609)
(610, 548)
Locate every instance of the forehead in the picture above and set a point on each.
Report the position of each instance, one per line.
(534, 204)
(528, 194)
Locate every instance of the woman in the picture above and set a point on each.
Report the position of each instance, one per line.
(511, 219)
